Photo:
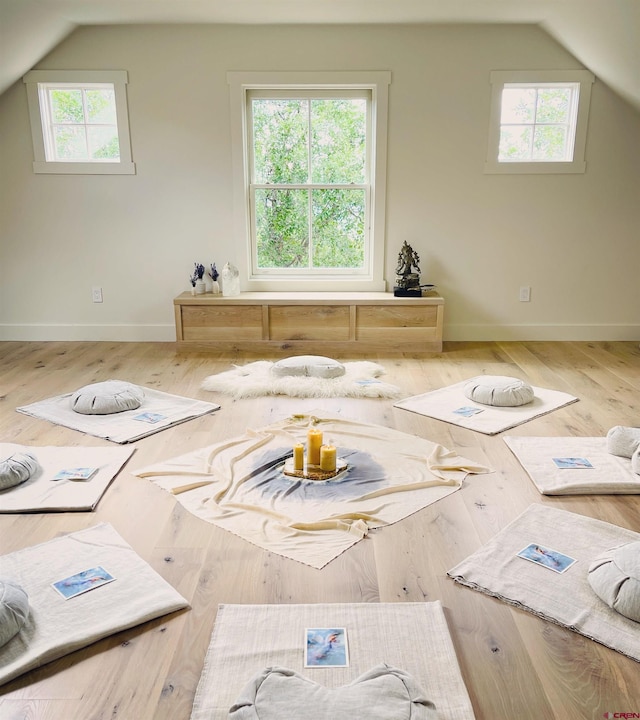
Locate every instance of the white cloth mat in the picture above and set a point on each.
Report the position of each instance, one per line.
(563, 598)
(121, 427)
(411, 636)
(610, 474)
(42, 494)
(441, 404)
(239, 485)
(56, 626)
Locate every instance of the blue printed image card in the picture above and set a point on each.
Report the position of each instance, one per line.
(149, 417)
(79, 473)
(551, 559)
(468, 411)
(326, 647)
(572, 462)
(82, 582)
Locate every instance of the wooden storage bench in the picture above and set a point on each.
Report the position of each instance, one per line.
(322, 323)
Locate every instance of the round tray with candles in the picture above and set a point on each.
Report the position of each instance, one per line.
(315, 472)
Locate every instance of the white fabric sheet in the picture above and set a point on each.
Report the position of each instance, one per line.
(239, 485)
(564, 598)
(609, 474)
(123, 427)
(443, 403)
(411, 636)
(58, 626)
(42, 494)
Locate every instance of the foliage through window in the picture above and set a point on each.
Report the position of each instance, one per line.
(310, 189)
(538, 121)
(79, 121)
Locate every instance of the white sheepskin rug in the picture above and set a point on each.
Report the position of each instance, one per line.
(256, 379)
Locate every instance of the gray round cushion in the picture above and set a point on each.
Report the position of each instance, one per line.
(105, 398)
(308, 365)
(16, 469)
(498, 390)
(623, 441)
(614, 576)
(14, 609)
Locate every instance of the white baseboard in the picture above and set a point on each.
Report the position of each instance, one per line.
(470, 333)
(112, 333)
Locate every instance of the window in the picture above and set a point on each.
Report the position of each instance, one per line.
(311, 162)
(538, 121)
(79, 121)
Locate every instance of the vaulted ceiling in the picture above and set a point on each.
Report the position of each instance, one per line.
(604, 35)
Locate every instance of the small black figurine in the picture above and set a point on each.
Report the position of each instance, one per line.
(407, 281)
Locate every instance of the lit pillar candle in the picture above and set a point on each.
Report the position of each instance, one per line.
(298, 457)
(328, 458)
(314, 442)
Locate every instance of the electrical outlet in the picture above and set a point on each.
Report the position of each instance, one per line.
(525, 293)
(96, 294)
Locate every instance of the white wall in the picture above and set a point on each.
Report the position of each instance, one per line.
(574, 239)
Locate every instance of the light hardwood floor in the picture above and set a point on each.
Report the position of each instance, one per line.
(514, 664)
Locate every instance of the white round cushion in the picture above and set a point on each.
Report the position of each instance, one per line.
(16, 469)
(14, 609)
(105, 398)
(614, 576)
(308, 365)
(498, 390)
(623, 441)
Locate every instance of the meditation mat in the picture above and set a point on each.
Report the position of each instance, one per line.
(86, 607)
(574, 466)
(451, 405)
(413, 637)
(60, 485)
(239, 485)
(158, 411)
(256, 379)
(562, 596)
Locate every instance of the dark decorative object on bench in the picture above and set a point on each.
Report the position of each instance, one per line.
(407, 282)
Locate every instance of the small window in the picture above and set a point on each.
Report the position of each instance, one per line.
(538, 121)
(79, 122)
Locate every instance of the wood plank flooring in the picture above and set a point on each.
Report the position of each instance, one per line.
(514, 664)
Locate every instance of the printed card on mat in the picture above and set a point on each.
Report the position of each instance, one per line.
(551, 559)
(572, 462)
(82, 582)
(79, 473)
(467, 411)
(326, 647)
(149, 417)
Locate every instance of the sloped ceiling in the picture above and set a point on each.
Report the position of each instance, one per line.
(604, 35)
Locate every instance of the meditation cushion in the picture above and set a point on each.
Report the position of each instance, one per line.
(615, 578)
(498, 390)
(280, 694)
(635, 461)
(16, 469)
(14, 609)
(105, 398)
(308, 365)
(623, 441)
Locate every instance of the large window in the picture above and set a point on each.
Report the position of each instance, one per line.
(538, 121)
(310, 196)
(79, 121)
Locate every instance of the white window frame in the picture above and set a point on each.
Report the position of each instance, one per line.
(36, 82)
(581, 79)
(372, 277)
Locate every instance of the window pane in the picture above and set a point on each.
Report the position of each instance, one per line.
(553, 105)
(103, 143)
(515, 143)
(70, 142)
(550, 142)
(282, 221)
(338, 140)
(280, 133)
(101, 106)
(66, 106)
(518, 105)
(338, 228)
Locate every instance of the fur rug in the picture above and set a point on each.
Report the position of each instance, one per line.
(256, 379)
